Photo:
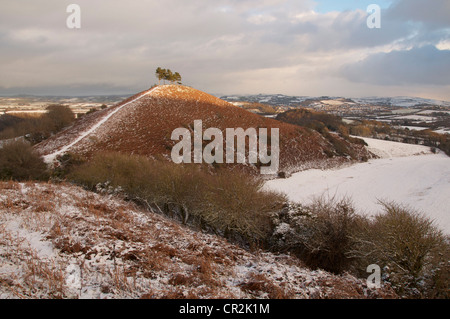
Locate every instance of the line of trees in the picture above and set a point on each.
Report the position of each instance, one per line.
(167, 75)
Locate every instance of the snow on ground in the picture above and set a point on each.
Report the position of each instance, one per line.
(415, 128)
(443, 131)
(407, 174)
(419, 118)
(60, 241)
(433, 111)
(332, 102)
(388, 149)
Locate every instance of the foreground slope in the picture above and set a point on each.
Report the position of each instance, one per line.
(59, 241)
(143, 125)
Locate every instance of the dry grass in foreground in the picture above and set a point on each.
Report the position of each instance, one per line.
(59, 241)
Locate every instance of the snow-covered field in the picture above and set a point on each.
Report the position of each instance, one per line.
(418, 118)
(443, 131)
(407, 174)
(414, 128)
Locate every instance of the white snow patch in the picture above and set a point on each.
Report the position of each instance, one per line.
(32, 239)
(73, 277)
(389, 149)
(418, 118)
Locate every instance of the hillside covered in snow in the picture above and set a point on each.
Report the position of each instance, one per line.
(407, 174)
(60, 241)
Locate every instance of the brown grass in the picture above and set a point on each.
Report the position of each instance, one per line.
(258, 283)
(146, 127)
(228, 203)
(120, 251)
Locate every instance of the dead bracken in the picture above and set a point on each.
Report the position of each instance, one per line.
(66, 242)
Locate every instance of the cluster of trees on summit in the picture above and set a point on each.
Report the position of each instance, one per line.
(167, 75)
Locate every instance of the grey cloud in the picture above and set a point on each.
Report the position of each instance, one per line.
(209, 42)
(73, 89)
(418, 66)
(433, 14)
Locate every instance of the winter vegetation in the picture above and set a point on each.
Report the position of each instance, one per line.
(410, 135)
(36, 129)
(60, 241)
(111, 222)
(326, 235)
(224, 202)
(409, 174)
(326, 125)
(330, 235)
(19, 162)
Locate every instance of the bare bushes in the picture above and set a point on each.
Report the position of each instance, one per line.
(19, 162)
(225, 202)
(321, 234)
(328, 234)
(412, 253)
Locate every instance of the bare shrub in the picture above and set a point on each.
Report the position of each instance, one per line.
(60, 116)
(225, 202)
(413, 253)
(321, 234)
(19, 162)
(235, 206)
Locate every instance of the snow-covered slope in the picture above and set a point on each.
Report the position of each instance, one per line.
(407, 174)
(51, 157)
(60, 241)
(388, 149)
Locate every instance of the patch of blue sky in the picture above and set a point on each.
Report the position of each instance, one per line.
(324, 6)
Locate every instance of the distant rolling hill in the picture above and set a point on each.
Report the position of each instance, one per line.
(293, 101)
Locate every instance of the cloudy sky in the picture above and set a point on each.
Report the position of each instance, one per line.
(295, 47)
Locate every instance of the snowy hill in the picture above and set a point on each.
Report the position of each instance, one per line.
(280, 99)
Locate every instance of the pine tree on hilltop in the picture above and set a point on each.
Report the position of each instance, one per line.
(159, 75)
(167, 75)
(177, 77)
